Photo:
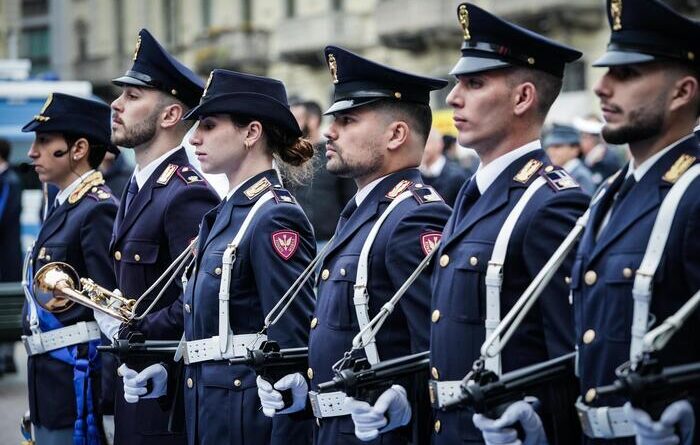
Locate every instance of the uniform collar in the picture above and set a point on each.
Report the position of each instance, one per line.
(142, 174)
(248, 191)
(486, 175)
(645, 166)
(366, 190)
(66, 192)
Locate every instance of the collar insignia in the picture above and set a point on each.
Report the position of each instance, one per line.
(527, 171)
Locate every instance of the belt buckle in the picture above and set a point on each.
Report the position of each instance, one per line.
(434, 394)
(315, 407)
(586, 426)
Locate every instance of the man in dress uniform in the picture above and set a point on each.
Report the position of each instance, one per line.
(602, 160)
(507, 79)
(650, 100)
(381, 119)
(61, 338)
(160, 211)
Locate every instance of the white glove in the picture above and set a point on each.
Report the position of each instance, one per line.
(390, 411)
(108, 325)
(271, 400)
(496, 432)
(677, 416)
(135, 382)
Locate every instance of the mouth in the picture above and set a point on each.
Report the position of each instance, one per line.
(609, 110)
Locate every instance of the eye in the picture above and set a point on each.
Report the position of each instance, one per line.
(622, 72)
(475, 83)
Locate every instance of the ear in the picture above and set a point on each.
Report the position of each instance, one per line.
(172, 114)
(524, 98)
(80, 150)
(398, 134)
(685, 91)
(254, 133)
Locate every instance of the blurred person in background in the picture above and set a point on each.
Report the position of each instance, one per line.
(117, 171)
(325, 195)
(563, 147)
(599, 158)
(11, 259)
(444, 175)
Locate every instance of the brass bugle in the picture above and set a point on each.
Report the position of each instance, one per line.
(57, 287)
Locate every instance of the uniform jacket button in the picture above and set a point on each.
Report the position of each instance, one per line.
(237, 383)
(137, 257)
(217, 271)
(444, 260)
(117, 255)
(437, 426)
(310, 373)
(188, 309)
(314, 322)
(473, 261)
(590, 277)
(343, 272)
(589, 336)
(434, 372)
(627, 272)
(325, 274)
(436, 316)
(190, 383)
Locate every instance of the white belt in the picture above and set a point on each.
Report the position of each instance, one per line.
(604, 422)
(41, 342)
(442, 393)
(328, 404)
(208, 348)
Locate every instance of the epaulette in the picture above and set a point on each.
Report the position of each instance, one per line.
(282, 195)
(86, 185)
(425, 194)
(189, 175)
(168, 173)
(683, 163)
(528, 171)
(257, 189)
(99, 193)
(399, 188)
(558, 179)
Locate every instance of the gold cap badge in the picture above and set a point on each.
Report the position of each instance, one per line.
(616, 13)
(40, 117)
(464, 21)
(138, 46)
(206, 87)
(333, 67)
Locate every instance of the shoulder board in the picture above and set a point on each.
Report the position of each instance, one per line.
(683, 163)
(399, 188)
(525, 173)
(189, 175)
(86, 186)
(283, 195)
(257, 189)
(558, 179)
(168, 173)
(425, 194)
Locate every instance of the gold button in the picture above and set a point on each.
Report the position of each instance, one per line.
(343, 272)
(314, 322)
(548, 168)
(437, 426)
(397, 95)
(188, 309)
(444, 260)
(567, 280)
(190, 383)
(531, 60)
(137, 257)
(325, 274)
(473, 261)
(590, 277)
(435, 373)
(48, 257)
(627, 272)
(93, 190)
(237, 382)
(436, 316)
(589, 336)
(117, 255)
(590, 395)
(310, 373)
(217, 271)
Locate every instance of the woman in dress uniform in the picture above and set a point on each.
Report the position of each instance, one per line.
(244, 126)
(72, 136)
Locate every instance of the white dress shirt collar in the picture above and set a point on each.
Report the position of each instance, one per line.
(142, 174)
(486, 175)
(66, 192)
(366, 190)
(645, 166)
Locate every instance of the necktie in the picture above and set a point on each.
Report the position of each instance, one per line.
(131, 193)
(347, 212)
(52, 209)
(617, 200)
(469, 197)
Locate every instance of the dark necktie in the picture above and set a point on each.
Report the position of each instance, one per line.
(131, 193)
(470, 196)
(624, 191)
(347, 212)
(52, 209)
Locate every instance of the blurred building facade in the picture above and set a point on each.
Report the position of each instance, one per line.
(94, 39)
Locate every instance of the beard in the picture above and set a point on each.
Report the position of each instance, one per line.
(138, 134)
(643, 123)
(372, 160)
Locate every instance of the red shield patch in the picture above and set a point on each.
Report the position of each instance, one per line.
(286, 243)
(428, 240)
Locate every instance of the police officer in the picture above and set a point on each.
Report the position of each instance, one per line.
(161, 209)
(563, 146)
(381, 119)
(650, 100)
(72, 136)
(507, 79)
(244, 123)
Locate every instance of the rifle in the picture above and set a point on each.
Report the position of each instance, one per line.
(649, 386)
(136, 346)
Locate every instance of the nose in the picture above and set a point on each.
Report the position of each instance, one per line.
(602, 88)
(454, 99)
(33, 153)
(116, 104)
(331, 132)
(196, 138)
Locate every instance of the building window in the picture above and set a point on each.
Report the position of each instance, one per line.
(171, 21)
(81, 34)
(291, 8)
(33, 8)
(206, 14)
(119, 25)
(337, 5)
(35, 45)
(574, 77)
(246, 12)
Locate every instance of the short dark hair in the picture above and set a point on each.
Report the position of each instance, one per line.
(547, 85)
(96, 153)
(418, 116)
(4, 149)
(683, 69)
